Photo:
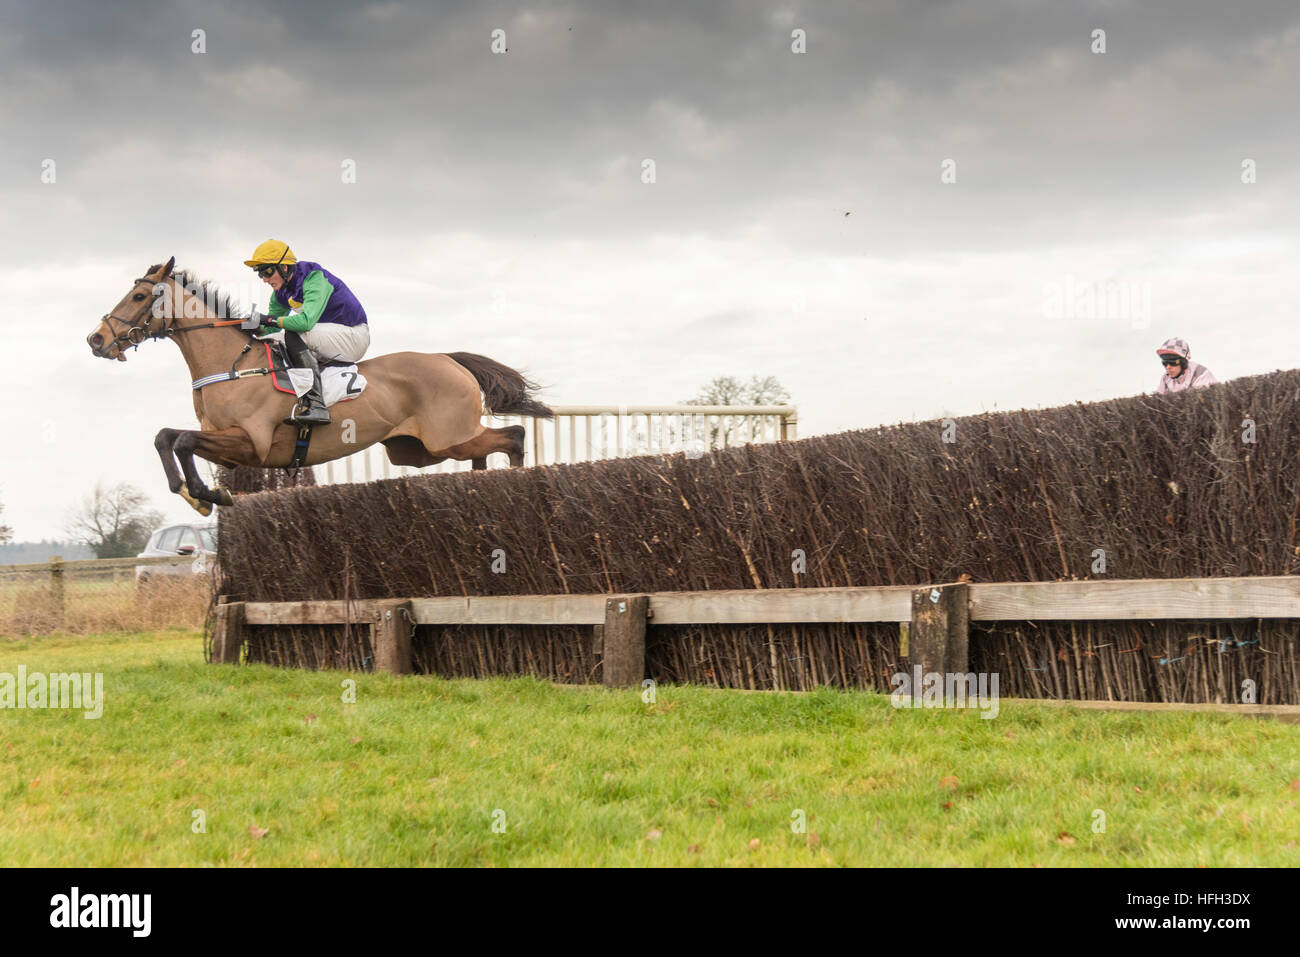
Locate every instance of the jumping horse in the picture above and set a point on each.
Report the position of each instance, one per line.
(423, 407)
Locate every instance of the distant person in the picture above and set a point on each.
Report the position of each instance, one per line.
(1180, 371)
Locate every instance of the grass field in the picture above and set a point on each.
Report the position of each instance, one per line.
(423, 771)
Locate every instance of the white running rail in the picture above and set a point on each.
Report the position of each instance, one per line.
(584, 433)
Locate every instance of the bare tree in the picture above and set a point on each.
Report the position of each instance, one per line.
(723, 390)
(728, 390)
(6, 533)
(115, 522)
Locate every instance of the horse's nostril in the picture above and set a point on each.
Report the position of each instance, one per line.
(96, 340)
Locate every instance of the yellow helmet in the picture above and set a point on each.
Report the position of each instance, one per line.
(272, 253)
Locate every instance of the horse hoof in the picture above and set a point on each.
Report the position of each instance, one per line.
(223, 496)
(203, 508)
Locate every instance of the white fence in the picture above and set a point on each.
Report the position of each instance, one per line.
(583, 433)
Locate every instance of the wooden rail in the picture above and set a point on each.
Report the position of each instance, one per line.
(934, 619)
(94, 564)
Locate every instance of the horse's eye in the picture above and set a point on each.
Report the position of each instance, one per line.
(138, 296)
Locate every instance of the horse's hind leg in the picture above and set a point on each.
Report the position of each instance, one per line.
(515, 435)
(509, 440)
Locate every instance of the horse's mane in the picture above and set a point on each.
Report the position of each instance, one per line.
(223, 303)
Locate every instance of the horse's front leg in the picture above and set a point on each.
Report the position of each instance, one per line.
(164, 442)
(226, 447)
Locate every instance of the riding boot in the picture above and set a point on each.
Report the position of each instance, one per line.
(311, 409)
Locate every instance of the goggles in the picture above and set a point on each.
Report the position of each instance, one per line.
(265, 271)
(1171, 360)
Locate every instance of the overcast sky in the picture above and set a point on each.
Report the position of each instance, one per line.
(798, 225)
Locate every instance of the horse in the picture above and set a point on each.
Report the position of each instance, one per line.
(423, 407)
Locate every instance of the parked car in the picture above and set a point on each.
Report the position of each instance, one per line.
(198, 539)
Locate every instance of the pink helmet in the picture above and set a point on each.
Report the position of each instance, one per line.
(1175, 347)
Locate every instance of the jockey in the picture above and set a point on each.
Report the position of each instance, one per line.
(320, 316)
(1180, 371)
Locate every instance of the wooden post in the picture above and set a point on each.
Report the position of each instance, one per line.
(57, 602)
(623, 654)
(391, 638)
(938, 638)
(228, 635)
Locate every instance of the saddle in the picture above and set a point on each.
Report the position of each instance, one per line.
(277, 360)
(340, 381)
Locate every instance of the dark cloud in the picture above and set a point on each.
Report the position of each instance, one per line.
(548, 139)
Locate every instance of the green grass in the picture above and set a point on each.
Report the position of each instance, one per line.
(412, 773)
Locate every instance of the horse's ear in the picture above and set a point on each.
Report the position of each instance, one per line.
(167, 269)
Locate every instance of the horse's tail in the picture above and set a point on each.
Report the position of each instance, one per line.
(505, 391)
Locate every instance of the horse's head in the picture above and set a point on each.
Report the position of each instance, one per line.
(140, 315)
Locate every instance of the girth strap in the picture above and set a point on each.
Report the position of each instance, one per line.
(300, 447)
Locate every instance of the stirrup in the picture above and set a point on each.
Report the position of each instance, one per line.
(310, 410)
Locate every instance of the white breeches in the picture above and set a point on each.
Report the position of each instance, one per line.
(332, 342)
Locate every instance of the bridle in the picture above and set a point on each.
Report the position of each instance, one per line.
(137, 332)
